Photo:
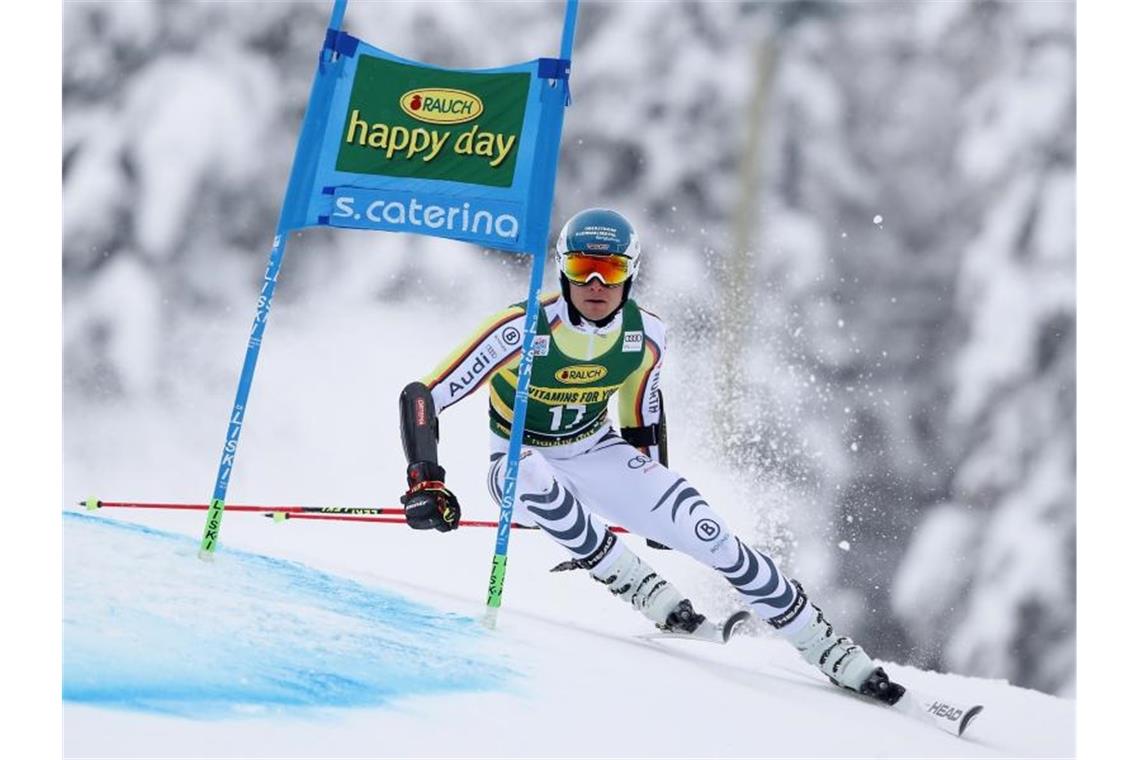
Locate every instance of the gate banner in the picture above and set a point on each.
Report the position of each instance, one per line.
(401, 146)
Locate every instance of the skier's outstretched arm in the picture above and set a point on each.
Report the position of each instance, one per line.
(428, 503)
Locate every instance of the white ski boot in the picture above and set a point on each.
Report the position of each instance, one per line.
(840, 659)
(632, 579)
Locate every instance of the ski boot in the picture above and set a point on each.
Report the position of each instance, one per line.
(843, 661)
(632, 579)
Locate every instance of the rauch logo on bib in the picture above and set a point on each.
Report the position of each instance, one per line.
(580, 374)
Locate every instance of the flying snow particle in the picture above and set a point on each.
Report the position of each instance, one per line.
(878, 219)
(844, 545)
(854, 446)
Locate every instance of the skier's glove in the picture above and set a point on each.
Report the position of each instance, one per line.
(428, 503)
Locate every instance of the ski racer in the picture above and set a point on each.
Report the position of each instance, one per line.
(575, 470)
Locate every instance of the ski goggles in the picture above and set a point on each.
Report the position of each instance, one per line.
(582, 267)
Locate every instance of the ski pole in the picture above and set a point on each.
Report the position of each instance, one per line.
(93, 504)
(282, 516)
(297, 512)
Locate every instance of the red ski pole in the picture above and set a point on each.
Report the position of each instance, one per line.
(383, 515)
(281, 516)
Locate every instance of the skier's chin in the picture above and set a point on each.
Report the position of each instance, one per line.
(595, 310)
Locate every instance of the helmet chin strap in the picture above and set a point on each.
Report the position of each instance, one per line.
(576, 317)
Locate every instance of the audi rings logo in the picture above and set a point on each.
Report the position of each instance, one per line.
(511, 336)
(707, 530)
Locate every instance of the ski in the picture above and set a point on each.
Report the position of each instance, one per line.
(951, 717)
(944, 715)
(714, 633)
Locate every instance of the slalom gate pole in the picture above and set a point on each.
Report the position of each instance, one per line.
(514, 449)
(526, 362)
(301, 159)
(229, 451)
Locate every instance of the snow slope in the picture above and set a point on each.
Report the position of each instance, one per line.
(307, 639)
(310, 639)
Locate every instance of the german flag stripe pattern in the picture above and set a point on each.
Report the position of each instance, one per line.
(461, 354)
(494, 348)
(639, 403)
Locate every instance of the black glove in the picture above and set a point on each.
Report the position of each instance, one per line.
(428, 503)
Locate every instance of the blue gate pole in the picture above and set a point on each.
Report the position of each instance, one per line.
(302, 161)
(514, 448)
(526, 362)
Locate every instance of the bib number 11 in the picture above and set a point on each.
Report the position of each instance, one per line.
(556, 413)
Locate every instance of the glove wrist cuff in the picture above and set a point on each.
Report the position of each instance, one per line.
(422, 472)
(424, 485)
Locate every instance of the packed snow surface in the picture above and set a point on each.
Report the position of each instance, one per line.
(344, 639)
(340, 639)
(247, 635)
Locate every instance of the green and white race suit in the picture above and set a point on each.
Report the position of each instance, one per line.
(576, 474)
(575, 372)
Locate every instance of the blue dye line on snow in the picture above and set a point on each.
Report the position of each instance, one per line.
(147, 626)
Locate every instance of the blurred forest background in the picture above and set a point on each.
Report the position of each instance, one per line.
(859, 222)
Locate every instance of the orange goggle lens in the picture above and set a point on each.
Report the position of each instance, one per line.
(582, 267)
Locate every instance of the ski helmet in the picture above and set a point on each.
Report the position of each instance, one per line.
(600, 233)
